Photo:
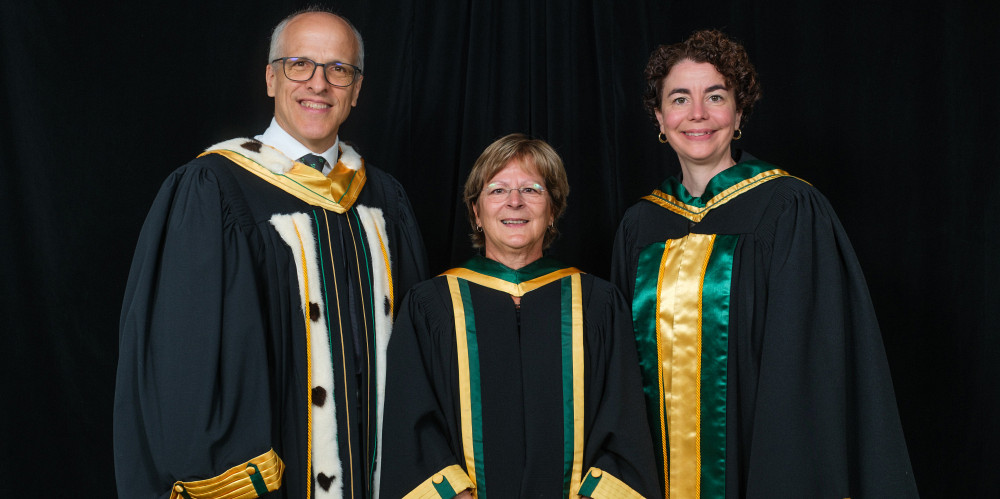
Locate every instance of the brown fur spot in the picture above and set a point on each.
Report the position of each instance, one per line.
(319, 396)
(314, 311)
(325, 481)
(251, 145)
(388, 306)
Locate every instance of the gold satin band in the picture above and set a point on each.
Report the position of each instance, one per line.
(683, 274)
(696, 213)
(457, 478)
(509, 287)
(235, 483)
(336, 193)
(465, 393)
(578, 383)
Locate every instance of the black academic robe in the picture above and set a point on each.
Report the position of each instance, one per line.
(534, 401)
(254, 326)
(762, 360)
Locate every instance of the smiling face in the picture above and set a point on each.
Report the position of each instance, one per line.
(312, 111)
(698, 114)
(514, 228)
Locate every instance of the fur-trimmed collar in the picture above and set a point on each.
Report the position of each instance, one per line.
(276, 161)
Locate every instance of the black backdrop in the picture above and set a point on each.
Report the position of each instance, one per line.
(890, 109)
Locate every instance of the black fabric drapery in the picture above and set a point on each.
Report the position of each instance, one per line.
(887, 107)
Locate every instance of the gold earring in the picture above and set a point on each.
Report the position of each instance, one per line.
(479, 228)
(662, 138)
(738, 135)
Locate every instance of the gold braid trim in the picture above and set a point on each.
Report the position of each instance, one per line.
(237, 482)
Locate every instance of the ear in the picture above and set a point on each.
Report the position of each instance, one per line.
(269, 79)
(659, 119)
(357, 90)
(475, 214)
(739, 119)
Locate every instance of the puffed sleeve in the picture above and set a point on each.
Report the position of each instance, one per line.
(825, 422)
(619, 454)
(192, 394)
(419, 431)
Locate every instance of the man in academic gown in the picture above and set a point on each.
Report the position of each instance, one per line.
(261, 297)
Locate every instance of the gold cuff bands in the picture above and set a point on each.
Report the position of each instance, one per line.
(445, 484)
(254, 478)
(599, 485)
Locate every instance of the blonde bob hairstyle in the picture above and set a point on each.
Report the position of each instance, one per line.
(532, 153)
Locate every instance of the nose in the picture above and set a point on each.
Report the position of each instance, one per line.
(318, 81)
(697, 110)
(514, 198)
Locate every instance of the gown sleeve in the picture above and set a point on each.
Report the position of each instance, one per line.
(621, 257)
(825, 422)
(192, 392)
(418, 431)
(619, 451)
(410, 257)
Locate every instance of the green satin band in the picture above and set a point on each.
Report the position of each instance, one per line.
(444, 489)
(498, 270)
(470, 387)
(715, 311)
(644, 320)
(719, 183)
(683, 357)
(572, 382)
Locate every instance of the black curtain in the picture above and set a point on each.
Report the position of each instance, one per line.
(889, 108)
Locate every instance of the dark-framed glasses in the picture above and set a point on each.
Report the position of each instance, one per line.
(338, 74)
(497, 192)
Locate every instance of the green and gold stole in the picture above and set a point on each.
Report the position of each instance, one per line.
(494, 275)
(681, 318)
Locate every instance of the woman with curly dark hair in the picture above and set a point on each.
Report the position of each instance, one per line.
(762, 360)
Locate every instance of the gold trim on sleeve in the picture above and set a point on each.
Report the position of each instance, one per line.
(455, 476)
(236, 482)
(609, 486)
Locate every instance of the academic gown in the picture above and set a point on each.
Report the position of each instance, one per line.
(535, 401)
(763, 365)
(254, 326)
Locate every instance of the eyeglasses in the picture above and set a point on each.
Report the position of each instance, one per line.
(498, 193)
(338, 74)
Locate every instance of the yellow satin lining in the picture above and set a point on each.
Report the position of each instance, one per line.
(457, 478)
(465, 394)
(696, 213)
(235, 482)
(336, 192)
(506, 286)
(578, 384)
(680, 326)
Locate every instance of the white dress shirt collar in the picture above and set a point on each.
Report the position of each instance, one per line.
(278, 138)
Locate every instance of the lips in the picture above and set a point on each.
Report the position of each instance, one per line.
(513, 221)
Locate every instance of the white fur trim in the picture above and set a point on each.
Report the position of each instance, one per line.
(297, 231)
(268, 157)
(349, 157)
(377, 239)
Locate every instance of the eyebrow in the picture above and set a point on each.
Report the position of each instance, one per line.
(688, 92)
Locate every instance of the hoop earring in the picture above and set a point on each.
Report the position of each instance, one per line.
(479, 228)
(662, 138)
(738, 135)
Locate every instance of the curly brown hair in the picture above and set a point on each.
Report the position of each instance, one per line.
(711, 46)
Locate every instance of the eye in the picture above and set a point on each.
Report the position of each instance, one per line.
(680, 100)
(338, 68)
(497, 191)
(715, 98)
(530, 191)
(300, 63)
